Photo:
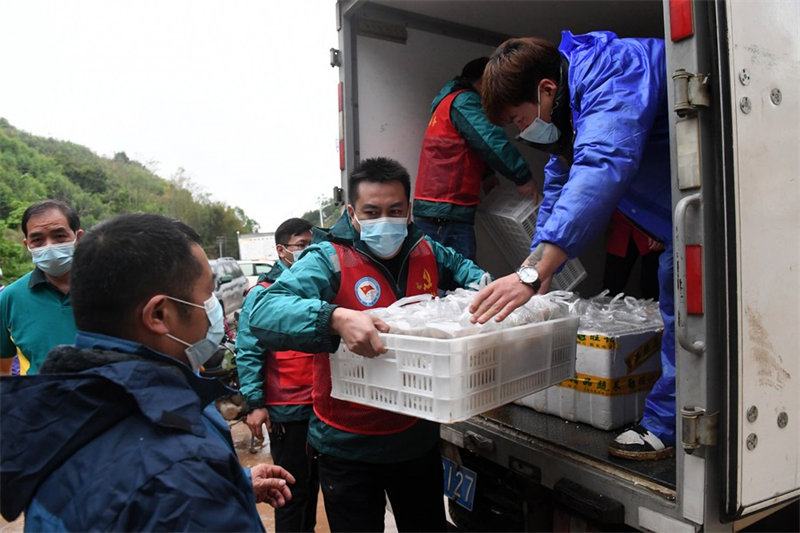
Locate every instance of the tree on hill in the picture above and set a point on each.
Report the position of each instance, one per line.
(33, 168)
(330, 213)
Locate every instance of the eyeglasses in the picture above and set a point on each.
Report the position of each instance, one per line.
(300, 245)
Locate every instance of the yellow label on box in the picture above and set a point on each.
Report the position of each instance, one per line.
(642, 353)
(611, 386)
(634, 359)
(597, 341)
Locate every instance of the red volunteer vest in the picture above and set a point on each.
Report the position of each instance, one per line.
(289, 375)
(363, 287)
(449, 169)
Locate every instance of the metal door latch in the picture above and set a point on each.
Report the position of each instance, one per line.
(690, 91)
(476, 442)
(699, 428)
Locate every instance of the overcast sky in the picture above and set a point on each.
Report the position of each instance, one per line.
(239, 93)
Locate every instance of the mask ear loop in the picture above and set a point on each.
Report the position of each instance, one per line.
(539, 100)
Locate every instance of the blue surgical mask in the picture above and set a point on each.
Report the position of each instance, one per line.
(384, 236)
(54, 259)
(539, 131)
(201, 351)
(296, 255)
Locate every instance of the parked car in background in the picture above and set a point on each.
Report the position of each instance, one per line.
(253, 269)
(230, 284)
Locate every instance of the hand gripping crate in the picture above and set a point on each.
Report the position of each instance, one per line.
(448, 380)
(507, 215)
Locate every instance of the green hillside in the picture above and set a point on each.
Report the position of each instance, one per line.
(34, 168)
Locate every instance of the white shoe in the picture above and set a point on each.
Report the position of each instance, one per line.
(639, 444)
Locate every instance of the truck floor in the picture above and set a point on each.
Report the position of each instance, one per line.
(580, 438)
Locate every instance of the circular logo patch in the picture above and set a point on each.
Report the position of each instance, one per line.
(367, 291)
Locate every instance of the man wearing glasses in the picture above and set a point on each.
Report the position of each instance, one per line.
(277, 388)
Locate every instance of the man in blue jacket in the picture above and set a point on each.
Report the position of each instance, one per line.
(598, 105)
(119, 433)
(459, 149)
(373, 257)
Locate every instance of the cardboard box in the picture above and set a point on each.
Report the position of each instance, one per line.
(614, 373)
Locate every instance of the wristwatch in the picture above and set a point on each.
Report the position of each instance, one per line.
(530, 277)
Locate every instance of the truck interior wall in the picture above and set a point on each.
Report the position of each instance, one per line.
(397, 82)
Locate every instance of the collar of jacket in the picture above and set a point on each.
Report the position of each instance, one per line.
(273, 274)
(160, 385)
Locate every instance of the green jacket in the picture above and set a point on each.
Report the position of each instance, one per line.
(488, 140)
(295, 314)
(250, 358)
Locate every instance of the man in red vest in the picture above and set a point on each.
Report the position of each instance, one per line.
(461, 147)
(277, 388)
(372, 257)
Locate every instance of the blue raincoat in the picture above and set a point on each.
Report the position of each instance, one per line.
(618, 98)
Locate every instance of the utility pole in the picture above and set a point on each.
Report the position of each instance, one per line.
(319, 199)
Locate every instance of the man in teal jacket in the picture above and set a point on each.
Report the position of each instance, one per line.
(460, 147)
(373, 256)
(35, 310)
(277, 388)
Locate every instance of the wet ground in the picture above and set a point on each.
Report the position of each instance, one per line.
(241, 442)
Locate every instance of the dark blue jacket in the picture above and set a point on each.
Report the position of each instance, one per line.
(114, 436)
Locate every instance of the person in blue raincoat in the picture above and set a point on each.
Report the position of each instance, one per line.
(598, 105)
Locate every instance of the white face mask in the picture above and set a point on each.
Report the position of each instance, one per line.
(202, 350)
(296, 255)
(53, 259)
(539, 131)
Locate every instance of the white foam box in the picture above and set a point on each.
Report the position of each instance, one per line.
(449, 380)
(614, 373)
(512, 218)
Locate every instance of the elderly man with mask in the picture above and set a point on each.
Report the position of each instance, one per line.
(35, 310)
(372, 257)
(119, 432)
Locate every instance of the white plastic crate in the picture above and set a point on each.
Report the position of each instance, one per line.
(448, 380)
(512, 218)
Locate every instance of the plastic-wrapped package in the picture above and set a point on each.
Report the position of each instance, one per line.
(448, 317)
(617, 314)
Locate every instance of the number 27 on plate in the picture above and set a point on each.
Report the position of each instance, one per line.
(459, 483)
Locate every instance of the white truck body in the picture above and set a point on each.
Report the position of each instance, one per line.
(735, 160)
(257, 247)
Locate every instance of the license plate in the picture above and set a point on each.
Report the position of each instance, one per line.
(459, 483)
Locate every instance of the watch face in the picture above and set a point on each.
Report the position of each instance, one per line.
(528, 274)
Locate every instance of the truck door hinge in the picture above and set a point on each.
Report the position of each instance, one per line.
(699, 428)
(690, 91)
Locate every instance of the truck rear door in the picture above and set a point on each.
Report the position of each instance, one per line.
(736, 188)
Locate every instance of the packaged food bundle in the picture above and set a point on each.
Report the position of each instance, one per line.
(448, 317)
